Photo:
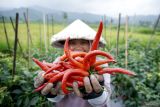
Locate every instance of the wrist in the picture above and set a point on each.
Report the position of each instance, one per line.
(91, 95)
(49, 95)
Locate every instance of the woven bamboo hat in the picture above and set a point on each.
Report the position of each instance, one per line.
(76, 30)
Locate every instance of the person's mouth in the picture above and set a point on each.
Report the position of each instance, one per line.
(78, 50)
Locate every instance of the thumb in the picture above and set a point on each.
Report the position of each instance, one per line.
(39, 79)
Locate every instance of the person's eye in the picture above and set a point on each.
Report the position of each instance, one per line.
(72, 43)
(84, 42)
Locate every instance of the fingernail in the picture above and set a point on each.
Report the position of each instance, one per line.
(75, 84)
(92, 76)
(86, 79)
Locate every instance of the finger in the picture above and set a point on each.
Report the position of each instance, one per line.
(41, 73)
(58, 88)
(47, 89)
(53, 91)
(39, 79)
(100, 78)
(76, 90)
(87, 85)
(95, 83)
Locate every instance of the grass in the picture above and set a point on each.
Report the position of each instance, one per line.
(35, 34)
(142, 34)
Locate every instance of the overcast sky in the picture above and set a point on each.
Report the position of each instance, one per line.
(108, 7)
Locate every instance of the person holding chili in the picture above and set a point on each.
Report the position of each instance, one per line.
(96, 91)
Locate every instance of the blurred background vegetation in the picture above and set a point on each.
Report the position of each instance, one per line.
(143, 58)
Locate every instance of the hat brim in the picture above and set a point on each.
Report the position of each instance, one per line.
(76, 30)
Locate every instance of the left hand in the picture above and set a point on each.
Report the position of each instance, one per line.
(91, 85)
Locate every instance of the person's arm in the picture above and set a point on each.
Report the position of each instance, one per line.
(105, 97)
(52, 94)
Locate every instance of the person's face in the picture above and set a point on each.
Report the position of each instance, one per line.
(79, 45)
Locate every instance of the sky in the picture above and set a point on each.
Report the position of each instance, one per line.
(107, 7)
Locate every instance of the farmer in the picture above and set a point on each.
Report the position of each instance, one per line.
(97, 87)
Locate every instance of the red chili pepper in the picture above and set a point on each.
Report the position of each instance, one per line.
(76, 78)
(67, 52)
(73, 54)
(116, 70)
(70, 84)
(94, 53)
(40, 87)
(48, 64)
(68, 74)
(78, 54)
(66, 65)
(101, 62)
(79, 59)
(40, 64)
(56, 77)
(95, 42)
(98, 68)
(53, 68)
(50, 75)
(52, 80)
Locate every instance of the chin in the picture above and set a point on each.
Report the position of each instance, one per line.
(78, 50)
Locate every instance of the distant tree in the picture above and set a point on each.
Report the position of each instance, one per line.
(145, 23)
(65, 17)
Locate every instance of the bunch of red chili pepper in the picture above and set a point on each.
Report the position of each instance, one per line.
(74, 66)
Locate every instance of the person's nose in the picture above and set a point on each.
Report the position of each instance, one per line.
(78, 44)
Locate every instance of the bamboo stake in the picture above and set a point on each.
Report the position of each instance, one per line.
(6, 33)
(105, 27)
(44, 28)
(52, 25)
(153, 32)
(126, 43)
(28, 37)
(110, 35)
(40, 36)
(15, 45)
(15, 31)
(118, 30)
(47, 30)
(133, 25)
(27, 24)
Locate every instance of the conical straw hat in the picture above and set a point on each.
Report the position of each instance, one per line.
(76, 30)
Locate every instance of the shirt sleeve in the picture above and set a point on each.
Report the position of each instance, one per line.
(56, 99)
(105, 97)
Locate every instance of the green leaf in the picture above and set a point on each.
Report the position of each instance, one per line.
(19, 102)
(34, 100)
(2, 89)
(26, 102)
(69, 88)
(27, 74)
(17, 91)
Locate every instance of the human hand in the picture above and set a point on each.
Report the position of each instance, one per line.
(91, 84)
(39, 80)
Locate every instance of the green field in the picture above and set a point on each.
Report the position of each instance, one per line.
(136, 32)
(22, 34)
(142, 90)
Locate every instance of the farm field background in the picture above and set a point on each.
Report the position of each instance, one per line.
(142, 34)
(139, 91)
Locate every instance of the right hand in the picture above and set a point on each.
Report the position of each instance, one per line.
(92, 86)
(39, 80)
